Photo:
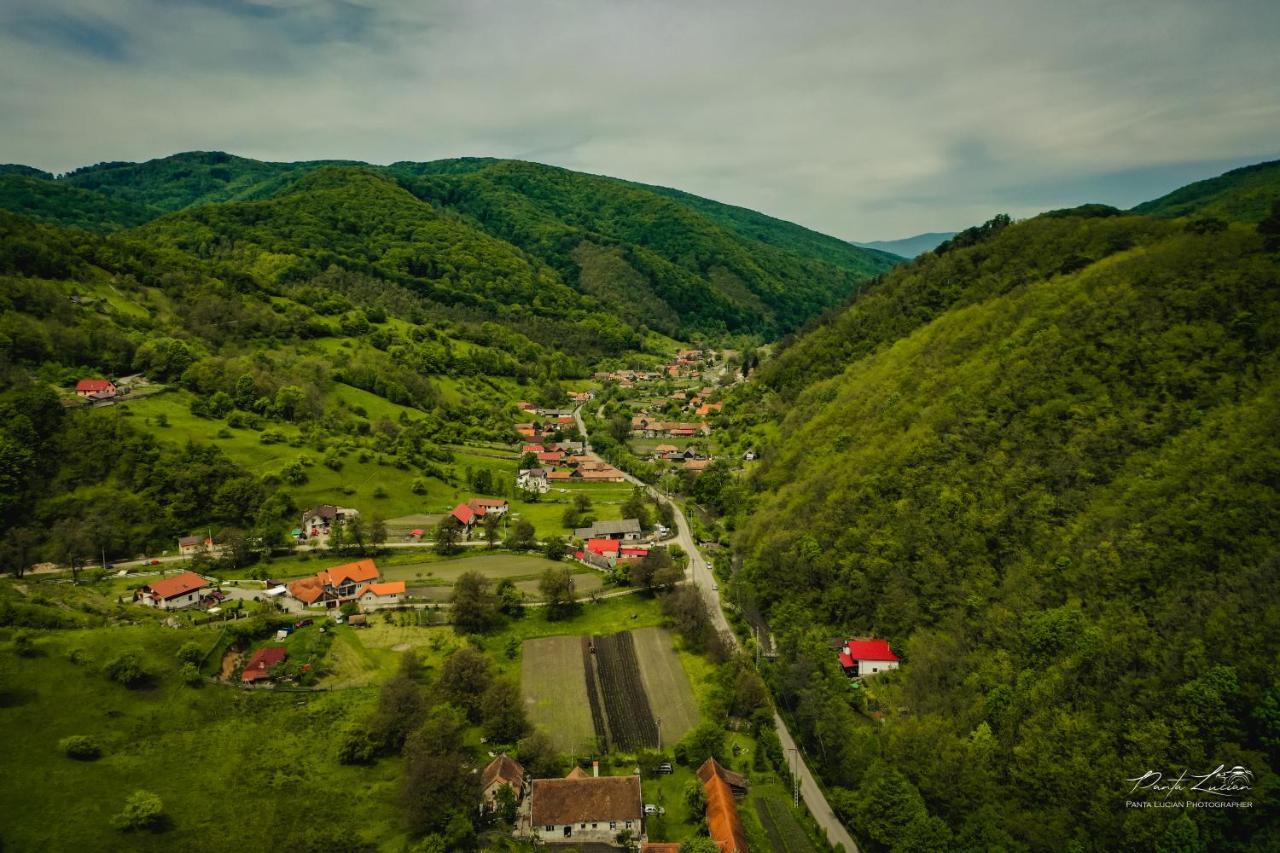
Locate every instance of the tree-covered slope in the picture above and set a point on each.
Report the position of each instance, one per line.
(1241, 195)
(651, 257)
(1044, 466)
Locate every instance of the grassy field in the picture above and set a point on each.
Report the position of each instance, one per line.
(779, 825)
(666, 683)
(553, 684)
(213, 755)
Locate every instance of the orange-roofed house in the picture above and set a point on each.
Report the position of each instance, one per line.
(259, 666)
(174, 592)
(466, 516)
(724, 824)
(334, 586)
(488, 506)
(371, 596)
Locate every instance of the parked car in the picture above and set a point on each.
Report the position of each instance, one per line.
(650, 808)
(664, 768)
(302, 623)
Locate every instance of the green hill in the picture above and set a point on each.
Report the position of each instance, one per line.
(1241, 195)
(652, 258)
(1043, 464)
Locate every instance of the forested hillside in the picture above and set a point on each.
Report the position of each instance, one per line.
(1244, 195)
(652, 258)
(1042, 462)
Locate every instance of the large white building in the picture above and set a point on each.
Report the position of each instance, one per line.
(586, 809)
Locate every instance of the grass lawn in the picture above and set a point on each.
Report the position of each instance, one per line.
(211, 753)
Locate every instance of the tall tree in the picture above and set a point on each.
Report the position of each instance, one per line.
(475, 606)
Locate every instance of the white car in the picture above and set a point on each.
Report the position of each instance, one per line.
(650, 808)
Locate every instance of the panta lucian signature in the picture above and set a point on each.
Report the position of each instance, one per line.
(1221, 782)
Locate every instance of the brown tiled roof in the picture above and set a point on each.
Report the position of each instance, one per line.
(660, 847)
(561, 801)
(578, 773)
(503, 769)
(723, 823)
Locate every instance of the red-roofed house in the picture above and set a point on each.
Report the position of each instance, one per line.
(503, 770)
(98, 389)
(466, 516)
(604, 546)
(172, 593)
(860, 658)
(532, 448)
(374, 595)
(724, 825)
(550, 457)
(259, 666)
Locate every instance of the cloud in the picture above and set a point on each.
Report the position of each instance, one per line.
(865, 120)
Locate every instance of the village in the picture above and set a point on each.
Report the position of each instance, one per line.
(620, 700)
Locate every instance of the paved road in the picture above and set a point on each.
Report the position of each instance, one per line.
(702, 578)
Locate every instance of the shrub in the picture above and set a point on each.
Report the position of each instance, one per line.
(190, 653)
(190, 675)
(358, 745)
(80, 748)
(127, 669)
(24, 645)
(143, 810)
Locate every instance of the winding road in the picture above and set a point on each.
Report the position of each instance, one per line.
(701, 577)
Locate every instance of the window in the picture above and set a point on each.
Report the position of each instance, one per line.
(613, 824)
(595, 825)
(549, 828)
(628, 824)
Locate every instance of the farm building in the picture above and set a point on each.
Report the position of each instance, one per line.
(860, 658)
(724, 824)
(586, 809)
(736, 781)
(173, 593)
(501, 771)
(320, 517)
(627, 528)
(259, 666)
(374, 595)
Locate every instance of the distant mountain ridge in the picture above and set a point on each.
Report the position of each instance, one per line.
(909, 247)
(652, 257)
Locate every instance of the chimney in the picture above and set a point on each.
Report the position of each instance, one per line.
(595, 768)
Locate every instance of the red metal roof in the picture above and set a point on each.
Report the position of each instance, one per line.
(604, 546)
(465, 514)
(93, 385)
(869, 650)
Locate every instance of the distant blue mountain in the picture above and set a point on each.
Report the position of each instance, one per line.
(910, 247)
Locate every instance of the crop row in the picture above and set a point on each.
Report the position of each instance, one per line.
(631, 721)
(593, 696)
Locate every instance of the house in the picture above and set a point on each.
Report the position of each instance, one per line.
(626, 529)
(488, 506)
(501, 771)
(586, 809)
(374, 595)
(531, 448)
(724, 824)
(860, 658)
(561, 476)
(320, 517)
(189, 546)
(632, 553)
(662, 451)
(601, 553)
(707, 408)
(259, 666)
(466, 516)
(533, 480)
(736, 781)
(550, 457)
(526, 406)
(96, 389)
(172, 593)
(334, 586)
(599, 474)
(526, 431)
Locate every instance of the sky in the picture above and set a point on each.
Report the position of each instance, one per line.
(865, 119)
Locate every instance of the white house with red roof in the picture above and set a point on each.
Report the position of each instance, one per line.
(860, 658)
(173, 593)
(336, 585)
(96, 389)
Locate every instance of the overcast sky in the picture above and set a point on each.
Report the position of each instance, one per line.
(866, 119)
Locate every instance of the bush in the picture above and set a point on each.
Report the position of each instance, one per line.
(190, 653)
(359, 745)
(24, 645)
(190, 675)
(127, 669)
(143, 810)
(80, 748)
